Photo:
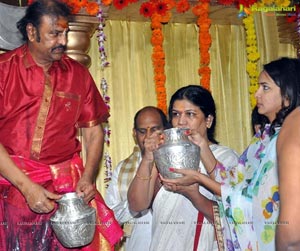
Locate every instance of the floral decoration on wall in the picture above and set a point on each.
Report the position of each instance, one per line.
(90, 7)
(83, 6)
(160, 12)
(201, 10)
(104, 88)
(252, 57)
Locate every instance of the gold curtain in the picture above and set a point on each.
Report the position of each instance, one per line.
(130, 75)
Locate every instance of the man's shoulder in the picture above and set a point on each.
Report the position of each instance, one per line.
(293, 117)
(8, 55)
(291, 126)
(133, 159)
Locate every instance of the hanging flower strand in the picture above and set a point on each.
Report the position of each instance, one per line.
(104, 87)
(158, 60)
(101, 39)
(159, 13)
(252, 56)
(202, 10)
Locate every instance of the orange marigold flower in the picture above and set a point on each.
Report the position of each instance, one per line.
(160, 77)
(75, 9)
(202, 13)
(204, 70)
(160, 89)
(157, 36)
(81, 3)
(159, 84)
(158, 55)
(204, 82)
(159, 69)
(171, 4)
(205, 60)
(106, 2)
(196, 10)
(159, 66)
(205, 25)
(157, 33)
(158, 48)
(155, 40)
(205, 39)
(92, 8)
(155, 22)
(166, 18)
(182, 6)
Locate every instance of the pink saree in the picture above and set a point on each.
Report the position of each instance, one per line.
(22, 229)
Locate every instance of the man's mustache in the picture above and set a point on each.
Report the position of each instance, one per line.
(59, 47)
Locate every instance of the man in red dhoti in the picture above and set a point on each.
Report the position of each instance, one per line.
(45, 96)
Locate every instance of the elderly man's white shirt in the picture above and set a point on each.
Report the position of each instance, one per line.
(140, 224)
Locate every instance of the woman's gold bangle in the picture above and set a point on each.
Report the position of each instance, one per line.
(143, 178)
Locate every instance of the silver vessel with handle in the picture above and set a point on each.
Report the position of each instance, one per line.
(177, 152)
(74, 221)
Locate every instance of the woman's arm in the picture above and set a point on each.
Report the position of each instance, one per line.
(288, 153)
(207, 158)
(191, 177)
(141, 190)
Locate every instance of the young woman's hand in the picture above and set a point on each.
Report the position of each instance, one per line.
(188, 178)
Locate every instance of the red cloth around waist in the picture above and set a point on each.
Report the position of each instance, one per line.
(65, 176)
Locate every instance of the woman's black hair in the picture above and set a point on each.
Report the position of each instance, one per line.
(285, 72)
(37, 10)
(258, 119)
(200, 97)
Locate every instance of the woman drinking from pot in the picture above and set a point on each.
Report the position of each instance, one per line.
(175, 214)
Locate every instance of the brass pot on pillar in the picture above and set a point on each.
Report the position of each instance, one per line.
(81, 29)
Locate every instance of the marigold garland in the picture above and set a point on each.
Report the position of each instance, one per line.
(202, 10)
(76, 6)
(158, 60)
(252, 56)
(90, 7)
(159, 13)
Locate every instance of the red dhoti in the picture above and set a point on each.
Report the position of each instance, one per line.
(22, 229)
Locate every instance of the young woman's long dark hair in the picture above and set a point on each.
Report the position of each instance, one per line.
(200, 97)
(285, 72)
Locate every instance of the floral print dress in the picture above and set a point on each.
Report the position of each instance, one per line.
(250, 200)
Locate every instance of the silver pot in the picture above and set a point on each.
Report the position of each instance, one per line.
(74, 221)
(177, 151)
